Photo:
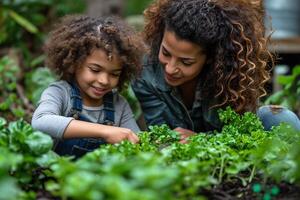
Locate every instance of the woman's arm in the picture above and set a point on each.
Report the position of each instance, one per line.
(184, 134)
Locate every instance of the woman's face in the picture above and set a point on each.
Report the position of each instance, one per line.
(182, 60)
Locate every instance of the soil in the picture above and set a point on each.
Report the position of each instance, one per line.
(235, 191)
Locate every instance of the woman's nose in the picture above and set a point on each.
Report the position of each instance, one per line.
(171, 67)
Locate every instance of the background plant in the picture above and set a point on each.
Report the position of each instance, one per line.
(289, 96)
(23, 28)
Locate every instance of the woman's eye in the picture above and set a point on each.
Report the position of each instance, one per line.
(116, 75)
(187, 63)
(165, 53)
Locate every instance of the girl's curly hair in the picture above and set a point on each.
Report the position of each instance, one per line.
(74, 38)
(232, 33)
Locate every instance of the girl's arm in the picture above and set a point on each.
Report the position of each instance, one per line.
(49, 117)
(110, 134)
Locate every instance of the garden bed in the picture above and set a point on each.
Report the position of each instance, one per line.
(241, 162)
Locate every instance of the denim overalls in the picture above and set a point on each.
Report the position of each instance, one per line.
(79, 147)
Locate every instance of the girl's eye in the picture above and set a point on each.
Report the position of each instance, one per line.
(94, 69)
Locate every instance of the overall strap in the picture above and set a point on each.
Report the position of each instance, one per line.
(108, 103)
(80, 146)
(109, 110)
(76, 101)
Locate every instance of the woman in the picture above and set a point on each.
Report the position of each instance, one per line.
(205, 55)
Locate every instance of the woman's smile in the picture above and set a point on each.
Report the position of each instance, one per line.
(182, 60)
(171, 78)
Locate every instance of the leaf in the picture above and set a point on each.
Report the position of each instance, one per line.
(39, 143)
(284, 80)
(9, 188)
(2, 122)
(275, 98)
(286, 103)
(296, 70)
(23, 22)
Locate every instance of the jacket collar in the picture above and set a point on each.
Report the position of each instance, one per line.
(158, 80)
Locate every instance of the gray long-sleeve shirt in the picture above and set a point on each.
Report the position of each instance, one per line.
(55, 105)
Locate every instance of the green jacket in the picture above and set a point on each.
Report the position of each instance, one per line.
(162, 104)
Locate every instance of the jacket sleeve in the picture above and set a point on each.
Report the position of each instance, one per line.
(152, 105)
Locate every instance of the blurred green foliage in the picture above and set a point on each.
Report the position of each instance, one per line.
(9, 101)
(136, 7)
(23, 28)
(27, 19)
(36, 81)
(289, 96)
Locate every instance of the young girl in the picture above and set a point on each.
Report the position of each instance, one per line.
(92, 57)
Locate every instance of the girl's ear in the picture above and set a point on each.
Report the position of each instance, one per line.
(71, 70)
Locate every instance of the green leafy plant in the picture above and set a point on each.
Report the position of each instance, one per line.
(14, 102)
(132, 100)
(27, 154)
(36, 81)
(9, 188)
(158, 167)
(9, 101)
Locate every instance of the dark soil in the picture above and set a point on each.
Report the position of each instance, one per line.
(235, 191)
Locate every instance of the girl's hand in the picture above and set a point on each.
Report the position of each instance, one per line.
(184, 134)
(117, 134)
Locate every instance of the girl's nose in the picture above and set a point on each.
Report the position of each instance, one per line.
(103, 79)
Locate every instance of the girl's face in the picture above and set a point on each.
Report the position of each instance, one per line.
(97, 76)
(183, 60)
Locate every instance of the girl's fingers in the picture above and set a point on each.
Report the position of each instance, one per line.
(133, 138)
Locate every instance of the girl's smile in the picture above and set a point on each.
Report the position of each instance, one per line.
(99, 91)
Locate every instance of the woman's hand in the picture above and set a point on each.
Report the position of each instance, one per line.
(114, 135)
(184, 134)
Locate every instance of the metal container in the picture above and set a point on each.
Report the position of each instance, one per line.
(284, 16)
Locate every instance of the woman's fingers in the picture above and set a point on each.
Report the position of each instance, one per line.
(184, 134)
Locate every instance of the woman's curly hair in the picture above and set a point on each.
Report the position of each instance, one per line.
(232, 33)
(74, 38)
